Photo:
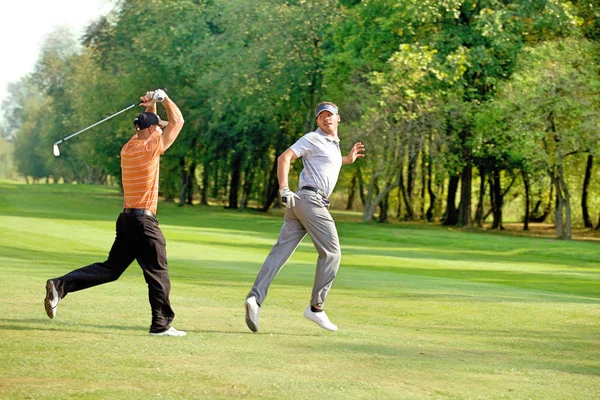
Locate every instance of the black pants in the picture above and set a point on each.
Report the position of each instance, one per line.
(139, 238)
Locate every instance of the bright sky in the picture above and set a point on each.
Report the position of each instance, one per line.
(26, 23)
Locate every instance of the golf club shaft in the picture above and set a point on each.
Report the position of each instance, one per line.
(99, 122)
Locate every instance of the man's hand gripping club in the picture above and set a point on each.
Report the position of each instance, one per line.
(157, 96)
(288, 198)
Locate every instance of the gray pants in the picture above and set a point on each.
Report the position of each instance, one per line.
(310, 215)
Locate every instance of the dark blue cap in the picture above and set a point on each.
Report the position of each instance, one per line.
(326, 107)
(146, 119)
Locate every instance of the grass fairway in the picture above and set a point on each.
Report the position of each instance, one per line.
(424, 312)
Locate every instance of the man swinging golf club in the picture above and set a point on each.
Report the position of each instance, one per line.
(307, 211)
(138, 235)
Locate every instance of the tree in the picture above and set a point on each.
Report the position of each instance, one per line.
(409, 110)
(29, 154)
(553, 113)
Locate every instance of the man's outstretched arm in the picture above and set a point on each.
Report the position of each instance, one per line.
(176, 121)
(356, 152)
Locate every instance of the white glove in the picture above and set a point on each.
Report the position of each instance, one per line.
(157, 95)
(288, 198)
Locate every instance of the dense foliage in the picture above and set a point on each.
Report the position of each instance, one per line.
(465, 106)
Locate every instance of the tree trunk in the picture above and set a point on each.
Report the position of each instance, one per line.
(215, 187)
(352, 192)
(205, 184)
(464, 214)
(587, 221)
(399, 208)
(361, 185)
(236, 178)
(535, 210)
(567, 201)
(183, 181)
(368, 212)
(383, 207)
(432, 196)
(410, 214)
(191, 183)
(423, 181)
(560, 233)
(371, 207)
(451, 214)
(563, 197)
(411, 168)
(370, 203)
(534, 217)
(247, 187)
(527, 203)
(480, 201)
(497, 200)
(272, 187)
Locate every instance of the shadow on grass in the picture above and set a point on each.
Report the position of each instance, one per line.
(47, 325)
(555, 349)
(247, 332)
(580, 285)
(56, 326)
(92, 202)
(463, 353)
(563, 283)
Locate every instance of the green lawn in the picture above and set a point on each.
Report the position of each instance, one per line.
(424, 312)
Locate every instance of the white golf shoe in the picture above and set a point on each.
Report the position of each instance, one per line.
(52, 299)
(320, 318)
(169, 332)
(252, 313)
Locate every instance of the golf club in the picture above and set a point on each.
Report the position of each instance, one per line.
(55, 149)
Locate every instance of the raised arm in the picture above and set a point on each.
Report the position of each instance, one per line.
(171, 131)
(355, 152)
(152, 107)
(176, 121)
(174, 116)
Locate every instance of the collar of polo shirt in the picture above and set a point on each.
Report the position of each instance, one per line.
(328, 137)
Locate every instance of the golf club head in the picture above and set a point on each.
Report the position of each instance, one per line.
(55, 150)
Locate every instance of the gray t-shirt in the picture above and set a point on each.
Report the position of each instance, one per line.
(322, 160)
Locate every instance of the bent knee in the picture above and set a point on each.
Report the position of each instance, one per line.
(333, 257)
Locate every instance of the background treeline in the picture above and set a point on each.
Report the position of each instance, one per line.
(469, 109)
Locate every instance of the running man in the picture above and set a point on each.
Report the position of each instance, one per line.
(307, 211)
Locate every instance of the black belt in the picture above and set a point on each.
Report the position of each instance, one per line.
(138, 211)
(313, 189)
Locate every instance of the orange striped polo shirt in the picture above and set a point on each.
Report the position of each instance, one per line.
(140, 159)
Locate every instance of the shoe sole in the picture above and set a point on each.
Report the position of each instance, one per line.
(47, 300)
(253, 327)
(163, 334)
(322, 327)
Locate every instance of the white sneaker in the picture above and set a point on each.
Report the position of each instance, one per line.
(169, 332)
(52, 299)
(252, 313)
(320, 318)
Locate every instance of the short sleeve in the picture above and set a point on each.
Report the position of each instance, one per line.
(303, 147)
